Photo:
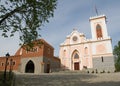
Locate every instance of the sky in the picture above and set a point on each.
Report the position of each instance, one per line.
(68, 15)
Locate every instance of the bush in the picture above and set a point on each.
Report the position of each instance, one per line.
(117, 66)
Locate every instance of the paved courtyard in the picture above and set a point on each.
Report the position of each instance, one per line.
(69, 79)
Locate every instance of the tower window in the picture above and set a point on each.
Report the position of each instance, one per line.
(99, 31)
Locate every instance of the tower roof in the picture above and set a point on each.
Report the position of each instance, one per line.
(97, 17)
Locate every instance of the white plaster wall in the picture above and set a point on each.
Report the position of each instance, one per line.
(102, 22)
(106, 43)
(69, 51)
(109, 46)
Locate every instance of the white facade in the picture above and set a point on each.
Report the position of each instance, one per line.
(77, 52)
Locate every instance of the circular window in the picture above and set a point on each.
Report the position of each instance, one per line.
(75, 38)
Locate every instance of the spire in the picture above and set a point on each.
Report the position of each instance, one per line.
(96, 10)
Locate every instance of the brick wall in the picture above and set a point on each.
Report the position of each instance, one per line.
(15, 63)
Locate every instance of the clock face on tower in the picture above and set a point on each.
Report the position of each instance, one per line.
(75, 38)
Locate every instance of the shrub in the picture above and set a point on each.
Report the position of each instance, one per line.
(117, 66)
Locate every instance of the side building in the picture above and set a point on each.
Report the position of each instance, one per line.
(39, 59)
(78, 53)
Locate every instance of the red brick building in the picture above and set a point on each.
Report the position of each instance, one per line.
(39, 59)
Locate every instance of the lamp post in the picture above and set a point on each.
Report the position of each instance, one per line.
(6, 63)
(11, 64)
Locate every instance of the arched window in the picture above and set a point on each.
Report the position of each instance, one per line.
(64, 53)
(99, 31)
(86, 51)
(102, 59)
(76, 56)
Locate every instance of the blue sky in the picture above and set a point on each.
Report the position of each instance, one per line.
(69, 15)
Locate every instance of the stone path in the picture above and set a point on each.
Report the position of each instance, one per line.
(68, 79)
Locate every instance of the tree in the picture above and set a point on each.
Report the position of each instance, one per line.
(25, 17)
(116, 52)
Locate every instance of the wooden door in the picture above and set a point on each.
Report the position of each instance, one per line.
(76, 66)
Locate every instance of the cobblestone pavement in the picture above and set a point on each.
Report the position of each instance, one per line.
(70, 79)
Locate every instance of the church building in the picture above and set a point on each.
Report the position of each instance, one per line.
(39, 59)
(78, 53)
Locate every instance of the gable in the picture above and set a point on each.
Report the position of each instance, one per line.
(37, 50)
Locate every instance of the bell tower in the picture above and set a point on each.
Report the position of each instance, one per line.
(98, 27)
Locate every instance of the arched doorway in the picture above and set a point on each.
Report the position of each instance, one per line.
(29, 67)
(48, 68)
(75, 64)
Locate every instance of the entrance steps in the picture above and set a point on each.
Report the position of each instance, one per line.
(44, 79)
(75, 71)
(48, 79)
(89, 70)
(28, 79)
(31, 79)
(67, 79)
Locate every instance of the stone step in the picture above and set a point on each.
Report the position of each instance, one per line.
(28, 80)
(75, 71)
(67, 79)
(40, 80)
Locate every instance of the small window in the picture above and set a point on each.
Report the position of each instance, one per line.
(48, 50)
(102, 59)
(7, 63)
(86, 51)
(64, 53)
(75, 38)
(2, 64)
(13, 63)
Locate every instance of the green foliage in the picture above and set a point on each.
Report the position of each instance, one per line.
(25, 17)
(117, 66)
(116, 52)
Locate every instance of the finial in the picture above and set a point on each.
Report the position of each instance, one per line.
(74, 29)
